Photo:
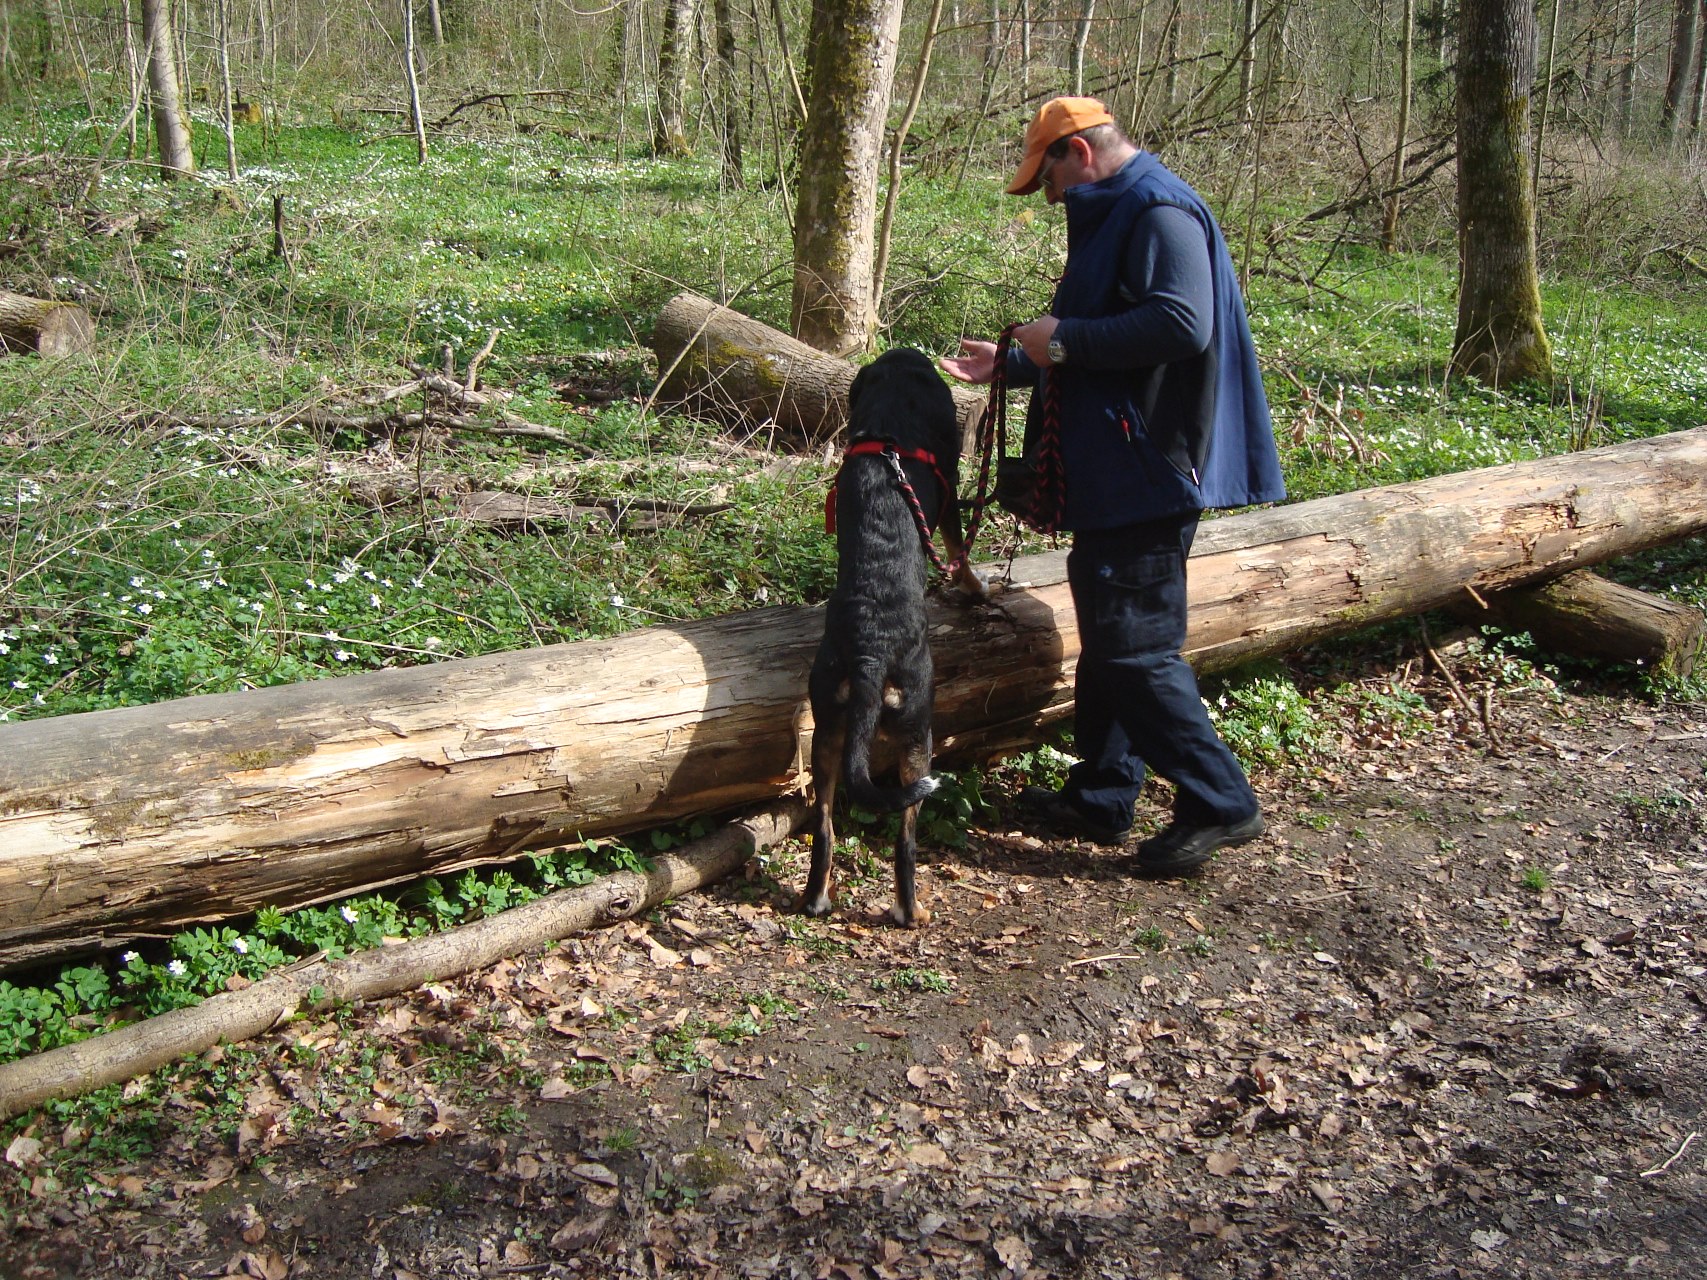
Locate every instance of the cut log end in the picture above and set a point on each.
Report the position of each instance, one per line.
(45, 327)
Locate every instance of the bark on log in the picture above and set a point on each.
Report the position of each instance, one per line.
(45, 327)
(236, 1015)
(1585, 615)
(123, 824)
(717, 363)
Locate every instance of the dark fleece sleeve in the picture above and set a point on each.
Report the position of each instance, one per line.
(1172, 317)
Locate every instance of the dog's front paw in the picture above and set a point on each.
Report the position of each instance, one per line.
(817, 907)
(970, 583)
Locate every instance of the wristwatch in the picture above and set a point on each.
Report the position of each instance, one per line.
(1057, 351)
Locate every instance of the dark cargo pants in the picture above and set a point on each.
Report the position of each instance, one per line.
(1135, 699)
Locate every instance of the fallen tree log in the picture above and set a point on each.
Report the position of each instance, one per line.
(232, 1016)
(43, 326)
(116, 825)
(717, 363)
(1587, 616)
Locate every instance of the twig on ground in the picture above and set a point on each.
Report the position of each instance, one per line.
(1675, 1156)
(471, 379)
(1456, 689)
(1074, 964)
(1331, 893)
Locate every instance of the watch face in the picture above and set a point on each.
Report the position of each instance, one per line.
(1057, 352)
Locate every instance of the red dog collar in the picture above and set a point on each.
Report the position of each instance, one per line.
(881, 447)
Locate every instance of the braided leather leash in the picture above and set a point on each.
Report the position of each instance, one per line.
(1050, 491)
(918, 509)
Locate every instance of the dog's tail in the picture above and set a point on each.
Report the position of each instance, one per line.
(865, 706)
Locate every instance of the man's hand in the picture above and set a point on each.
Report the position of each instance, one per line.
(976, 362)
(1034, 338)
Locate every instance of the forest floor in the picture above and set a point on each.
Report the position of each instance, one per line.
(1444, 1019)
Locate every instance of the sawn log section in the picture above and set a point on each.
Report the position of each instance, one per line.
(120, 824)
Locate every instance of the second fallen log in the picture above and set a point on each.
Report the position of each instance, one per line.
(1587, 616)
(718, 363)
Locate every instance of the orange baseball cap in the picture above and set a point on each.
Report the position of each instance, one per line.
(1056, 119)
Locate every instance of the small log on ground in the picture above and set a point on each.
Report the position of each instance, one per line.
(521, 511)
(1587, 616)
(45, 327)
(237, 1015)
(719, 364)
(137, 821)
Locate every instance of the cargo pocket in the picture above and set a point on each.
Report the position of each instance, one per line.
(1139, 604)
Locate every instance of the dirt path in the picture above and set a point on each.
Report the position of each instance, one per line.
(1445, 1018)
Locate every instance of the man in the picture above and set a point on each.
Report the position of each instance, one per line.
(1162, 415)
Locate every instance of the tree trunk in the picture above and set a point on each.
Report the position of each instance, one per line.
(852, 64)
(1699, 97)
(897, 141)
(1076, 51)
(1546, 101)
(417, 121)
(729, 97)
(1171, 52)
(222, 15)
(1627, 75)
(171, 124)
(1680, 66)
(1500, 338)
(44, 327)
(675, 59)
(1585, 615)
(134, 822)
(1390, 217)
(797, 95)
(1248, 59)
(719, 364)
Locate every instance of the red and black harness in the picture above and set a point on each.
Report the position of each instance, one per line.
(1044, 512)
(894, 453)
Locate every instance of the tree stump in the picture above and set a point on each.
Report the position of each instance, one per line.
(45, 327)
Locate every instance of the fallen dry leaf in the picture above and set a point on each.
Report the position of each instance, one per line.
(1061, 1052)
(927, 1155)
(581, 1232)
(1014, 1254)
(268, 1264)
(23, 1152)
(595, 1173)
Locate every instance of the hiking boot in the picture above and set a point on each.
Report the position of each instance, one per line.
(1181, 849)
(1054, 810)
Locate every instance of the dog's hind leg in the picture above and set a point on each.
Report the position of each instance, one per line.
(820, 893)
(915, 764)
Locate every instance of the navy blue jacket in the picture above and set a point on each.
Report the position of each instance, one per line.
(1162, 403)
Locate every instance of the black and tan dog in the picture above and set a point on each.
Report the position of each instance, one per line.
(873, 671)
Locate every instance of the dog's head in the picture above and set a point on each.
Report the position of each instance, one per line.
(900, 395)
